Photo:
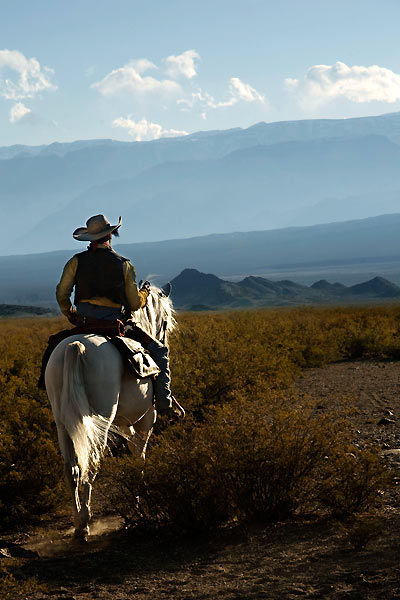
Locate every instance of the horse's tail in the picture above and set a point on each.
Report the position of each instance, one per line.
(87, 431)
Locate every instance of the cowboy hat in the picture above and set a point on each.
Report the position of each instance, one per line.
(96, 228)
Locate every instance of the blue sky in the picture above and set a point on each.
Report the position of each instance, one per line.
(128, 70)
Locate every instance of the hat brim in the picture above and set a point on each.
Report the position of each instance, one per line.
(82, 235)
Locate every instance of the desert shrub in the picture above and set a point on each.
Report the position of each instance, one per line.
(324, 335)
(370, 334)
(252, 459)
(215, 356)
(349, 481)
(30, 479)
(12, 588)
(30, 466)
(360, 530)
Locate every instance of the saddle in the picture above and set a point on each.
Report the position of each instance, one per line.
(135, 357)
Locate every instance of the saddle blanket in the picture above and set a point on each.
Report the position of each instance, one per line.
(134, 355)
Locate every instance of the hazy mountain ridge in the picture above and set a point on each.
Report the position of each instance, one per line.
(248, 189)
(31, 278)
(228, 140)
(296, 172)
(192, 290)
(17, 310)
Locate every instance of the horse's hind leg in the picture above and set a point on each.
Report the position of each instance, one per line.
(81, 504)
(84, 514)
(71, 470)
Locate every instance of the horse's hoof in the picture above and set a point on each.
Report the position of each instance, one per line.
(81, 535)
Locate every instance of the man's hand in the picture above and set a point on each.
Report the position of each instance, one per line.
(72, 315)
(146, 286)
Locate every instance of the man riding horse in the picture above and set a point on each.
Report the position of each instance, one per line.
(106, 290)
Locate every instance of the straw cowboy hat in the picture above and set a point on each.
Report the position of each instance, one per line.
(96, 228)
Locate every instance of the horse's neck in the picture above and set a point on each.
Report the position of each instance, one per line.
(150, 317)
(156, 318)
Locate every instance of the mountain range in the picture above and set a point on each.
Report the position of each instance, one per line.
(369, 246)
(271, 175)
(192, 290)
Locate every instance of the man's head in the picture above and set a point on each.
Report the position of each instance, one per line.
(98, 229)
(104, 240)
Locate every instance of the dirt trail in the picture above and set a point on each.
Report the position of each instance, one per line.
(372, 388)
(303, 559)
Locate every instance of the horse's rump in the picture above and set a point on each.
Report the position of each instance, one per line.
(134, 355)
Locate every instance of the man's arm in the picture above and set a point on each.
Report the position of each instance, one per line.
(136, 298)
(65, 287)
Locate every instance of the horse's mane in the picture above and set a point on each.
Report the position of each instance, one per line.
(157, 314)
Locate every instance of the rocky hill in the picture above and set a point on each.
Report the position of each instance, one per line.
(192, 290)
(367, 246)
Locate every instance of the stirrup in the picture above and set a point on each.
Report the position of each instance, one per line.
(175, 412)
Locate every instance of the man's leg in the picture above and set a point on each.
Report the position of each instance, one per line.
(164, 401)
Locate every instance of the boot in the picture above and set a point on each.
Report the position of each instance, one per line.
(165, 403)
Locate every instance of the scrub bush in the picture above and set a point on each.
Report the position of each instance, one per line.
(227, 368)
(214, 356)
(260, 458)
(30, 467)
(11, 588)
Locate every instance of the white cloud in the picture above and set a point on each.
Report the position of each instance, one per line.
(129, 78)
(18, 112)
(244, 91)
(198, 97)
(22, 77)
(357, 84)
(238, 91)
(183, 64)
(141, 65)
(144, 130)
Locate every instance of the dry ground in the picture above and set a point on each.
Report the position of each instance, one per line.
(303, 559)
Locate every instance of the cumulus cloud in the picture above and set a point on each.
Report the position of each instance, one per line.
(199, 97)
(357, 84)
(141, 65)
(144, 130)
(130, 78)
(22, 77)
(18, 112)
(238, 91)
(183, 64)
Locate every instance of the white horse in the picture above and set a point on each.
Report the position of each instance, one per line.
(90, 390)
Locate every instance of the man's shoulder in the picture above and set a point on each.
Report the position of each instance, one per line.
(73, 259)
(119, 256)
(78, 254)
